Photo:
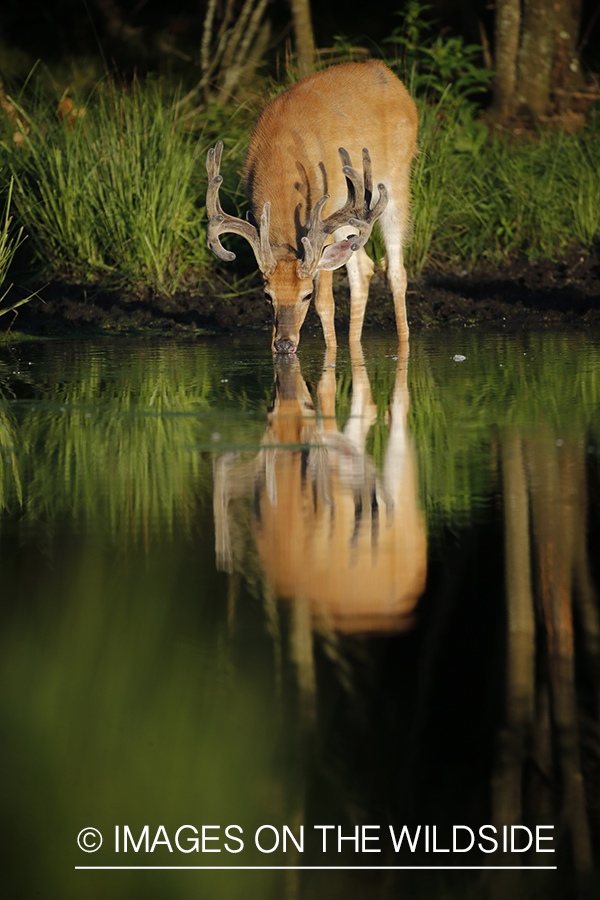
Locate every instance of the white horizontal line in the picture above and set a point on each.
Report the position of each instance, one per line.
(320, 868)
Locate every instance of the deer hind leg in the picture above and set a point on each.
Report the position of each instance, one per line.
(360, 271)
(394, 221)
(325, 306)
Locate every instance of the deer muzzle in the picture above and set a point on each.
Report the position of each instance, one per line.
(284, 345)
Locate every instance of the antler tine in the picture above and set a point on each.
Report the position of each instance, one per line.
(367, 176)
(355, 212)
(367, 217)
(221, 223)
(354, 185)
(320, 229)
(267, 261)
(213, 160)
(213, 164)
(344, 156)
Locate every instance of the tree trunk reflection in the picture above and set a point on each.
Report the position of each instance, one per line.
(545, 511)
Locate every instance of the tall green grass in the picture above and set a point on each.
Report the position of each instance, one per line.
(111, 194)
(11, 239)
(478, 197)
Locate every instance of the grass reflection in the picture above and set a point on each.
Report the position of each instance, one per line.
(10, 481)
(108, 440)
(460, 407)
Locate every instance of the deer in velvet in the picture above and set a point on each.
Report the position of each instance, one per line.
(313, 211)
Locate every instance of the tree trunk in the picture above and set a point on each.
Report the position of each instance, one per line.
(305, 45)
(508, 26)
(536, 57)
(566, 71)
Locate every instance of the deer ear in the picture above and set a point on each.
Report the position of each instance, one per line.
(335, 255)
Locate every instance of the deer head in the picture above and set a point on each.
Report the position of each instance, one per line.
(289, 278)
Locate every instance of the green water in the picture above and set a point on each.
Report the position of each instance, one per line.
(361, 594)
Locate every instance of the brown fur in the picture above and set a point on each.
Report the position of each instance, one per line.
(293, 160)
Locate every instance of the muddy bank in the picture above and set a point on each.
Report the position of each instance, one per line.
(519, 296)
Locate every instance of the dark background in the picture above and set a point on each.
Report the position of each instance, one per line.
(164, 36)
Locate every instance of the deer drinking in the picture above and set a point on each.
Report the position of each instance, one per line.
(313, 212)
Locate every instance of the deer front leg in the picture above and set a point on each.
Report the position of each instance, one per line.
(393, 226)
(397, 279)
(325, 306)
(360, 271)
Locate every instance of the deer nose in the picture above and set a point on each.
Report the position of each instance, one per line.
(284, 346)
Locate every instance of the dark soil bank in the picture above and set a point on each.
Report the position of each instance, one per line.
(520, 296)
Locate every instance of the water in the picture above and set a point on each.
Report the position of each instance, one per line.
(361, 595)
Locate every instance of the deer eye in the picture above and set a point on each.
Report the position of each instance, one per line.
(269, 298)
(307, 297)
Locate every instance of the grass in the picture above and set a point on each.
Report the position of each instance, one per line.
(10, 241)
(478, 198)
(113, 193)
(110, 195)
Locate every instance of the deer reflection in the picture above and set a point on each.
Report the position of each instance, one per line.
(341, 540)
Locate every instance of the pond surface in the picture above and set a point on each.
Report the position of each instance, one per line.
(360, 594)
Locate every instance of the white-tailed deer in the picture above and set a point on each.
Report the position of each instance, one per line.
(305, 193)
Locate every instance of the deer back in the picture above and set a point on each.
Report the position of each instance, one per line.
(292, 158)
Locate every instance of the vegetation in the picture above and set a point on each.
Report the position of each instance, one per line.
(110, 186)
(9, 244)
(109, 194)
(477, 199)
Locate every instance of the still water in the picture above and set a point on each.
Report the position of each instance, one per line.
(335, 613)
